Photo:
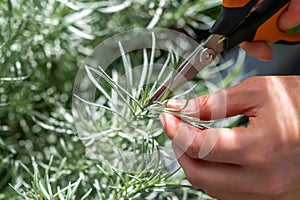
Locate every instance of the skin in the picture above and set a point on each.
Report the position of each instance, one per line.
(260, 161)
(288, 20)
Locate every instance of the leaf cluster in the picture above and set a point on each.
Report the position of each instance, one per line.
(42, 45)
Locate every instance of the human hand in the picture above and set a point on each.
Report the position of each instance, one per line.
(289, 20)
(260, 161)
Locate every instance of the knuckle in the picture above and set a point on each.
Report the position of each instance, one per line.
(204, 105)
(193, 150)
(261, 154)
(259, 157)
(203, 101)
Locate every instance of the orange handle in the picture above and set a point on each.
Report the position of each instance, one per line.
(270, 32)
(239, 22)
(235, 3)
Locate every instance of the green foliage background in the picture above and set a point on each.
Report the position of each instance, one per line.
(42, 45)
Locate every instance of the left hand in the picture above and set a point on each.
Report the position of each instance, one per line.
(257, 162)
(288, 20)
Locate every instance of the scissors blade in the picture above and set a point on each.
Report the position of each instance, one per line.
(202, 56)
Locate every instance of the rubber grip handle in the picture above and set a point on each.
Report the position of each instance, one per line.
(233, 12)
(260, 24)
(235, 3)
(270, 32)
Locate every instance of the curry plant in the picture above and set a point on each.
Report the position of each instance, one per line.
(126, 136)
(42, 45)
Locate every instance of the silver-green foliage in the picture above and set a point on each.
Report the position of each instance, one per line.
(42, 43)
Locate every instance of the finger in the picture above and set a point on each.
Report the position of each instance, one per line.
(222, 180)
(235, 196)
(260, 50)
(243, 98)
(214, 145)
(212, 177)
(290, 18)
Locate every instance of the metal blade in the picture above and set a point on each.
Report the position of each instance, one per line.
(203, 55)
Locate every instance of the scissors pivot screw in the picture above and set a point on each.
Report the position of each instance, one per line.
(207, 56)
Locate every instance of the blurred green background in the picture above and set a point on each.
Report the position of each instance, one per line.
(42, 45)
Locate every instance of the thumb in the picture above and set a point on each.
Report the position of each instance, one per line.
(240, 99)
(290, 18)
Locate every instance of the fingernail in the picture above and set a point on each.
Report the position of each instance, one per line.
(176, 103)
(264, 59)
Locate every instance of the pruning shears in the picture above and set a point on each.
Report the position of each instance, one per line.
(239, 21)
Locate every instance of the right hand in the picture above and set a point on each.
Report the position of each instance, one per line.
(260, 161)
(289, 20)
